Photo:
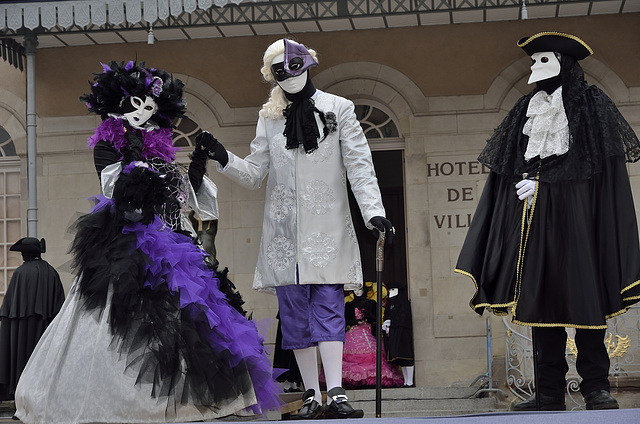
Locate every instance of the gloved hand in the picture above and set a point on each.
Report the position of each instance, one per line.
(386, 324)
(133, 150)
(525, 190)
(381, 223)
(207, 143)
(137, 194)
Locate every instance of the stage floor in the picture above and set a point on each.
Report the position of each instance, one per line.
(618, 416)
(630, 414)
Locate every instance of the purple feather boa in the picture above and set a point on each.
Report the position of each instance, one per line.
(155, 143)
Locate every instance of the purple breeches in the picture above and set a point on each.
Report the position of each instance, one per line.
(310, 314)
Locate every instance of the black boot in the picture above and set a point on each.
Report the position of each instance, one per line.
(339, 407)
(600, 399)
(547, 403)
(311, 409)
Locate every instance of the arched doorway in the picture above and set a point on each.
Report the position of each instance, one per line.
(387, 150)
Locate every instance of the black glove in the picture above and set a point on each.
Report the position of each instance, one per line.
(197, 169)
(381, 223)
(133, 150)
(207, 143)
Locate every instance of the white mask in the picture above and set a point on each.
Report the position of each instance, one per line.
(545, 65)
(291, 85)
(142, 111)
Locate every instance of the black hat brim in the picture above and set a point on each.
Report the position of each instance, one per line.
(555, 42)
(29, 245)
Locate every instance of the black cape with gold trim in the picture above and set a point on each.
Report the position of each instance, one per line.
(573, 258)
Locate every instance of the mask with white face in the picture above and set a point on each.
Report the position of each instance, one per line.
(545, 65)
(291, 84)
(139, 110)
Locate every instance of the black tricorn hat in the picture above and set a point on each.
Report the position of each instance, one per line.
(29, 245)
(555, 42)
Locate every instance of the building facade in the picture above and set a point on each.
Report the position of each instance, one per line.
(431, 95)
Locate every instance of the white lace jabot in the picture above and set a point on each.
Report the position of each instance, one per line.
(547, 126)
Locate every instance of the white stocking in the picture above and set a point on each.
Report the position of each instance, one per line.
(331, 353)
(407, 373)
(308, 364)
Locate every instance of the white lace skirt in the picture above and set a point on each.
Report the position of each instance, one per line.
(75, 376)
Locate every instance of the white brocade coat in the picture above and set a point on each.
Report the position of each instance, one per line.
(307, 222)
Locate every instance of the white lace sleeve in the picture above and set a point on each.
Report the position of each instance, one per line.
(205, 202)
(108, 177)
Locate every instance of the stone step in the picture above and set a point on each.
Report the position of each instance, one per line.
(415, 393)
(415, 402)
(427, 407)
(407, 402)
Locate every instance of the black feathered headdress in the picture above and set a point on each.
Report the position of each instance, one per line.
(118, 81)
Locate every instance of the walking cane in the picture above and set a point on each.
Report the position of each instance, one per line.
(536, 387)
(379, 268)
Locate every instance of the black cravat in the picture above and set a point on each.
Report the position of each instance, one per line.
(300, 126)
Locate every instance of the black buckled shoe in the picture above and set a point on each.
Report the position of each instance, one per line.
(311, 409)
(547, 403)
(339, 407)
(600, 399)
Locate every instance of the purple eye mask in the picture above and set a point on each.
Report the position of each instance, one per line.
(297, 58)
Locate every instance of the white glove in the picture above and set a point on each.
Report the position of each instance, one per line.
(385, 325)
(526, 190)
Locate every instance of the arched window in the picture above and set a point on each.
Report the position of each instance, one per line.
(7, 148)
(379, 127)
(184, 135)
(375, 123)
(9, 208)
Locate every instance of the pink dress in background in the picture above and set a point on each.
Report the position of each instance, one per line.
(359, 358)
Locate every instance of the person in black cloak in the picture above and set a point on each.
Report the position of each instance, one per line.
(554, 239)
(398, 325)
(34, 297)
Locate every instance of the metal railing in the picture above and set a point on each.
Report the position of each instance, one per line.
(288, 11)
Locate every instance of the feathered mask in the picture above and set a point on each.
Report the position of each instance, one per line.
(119, 81)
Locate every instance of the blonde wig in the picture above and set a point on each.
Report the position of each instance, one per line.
(277, 102)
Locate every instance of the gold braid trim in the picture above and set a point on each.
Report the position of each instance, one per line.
(627, 299)
(545, 324)
(468, 274)
(483, 305)
(559, 34)
(581, 326)
(630, 286)
(527, 218)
